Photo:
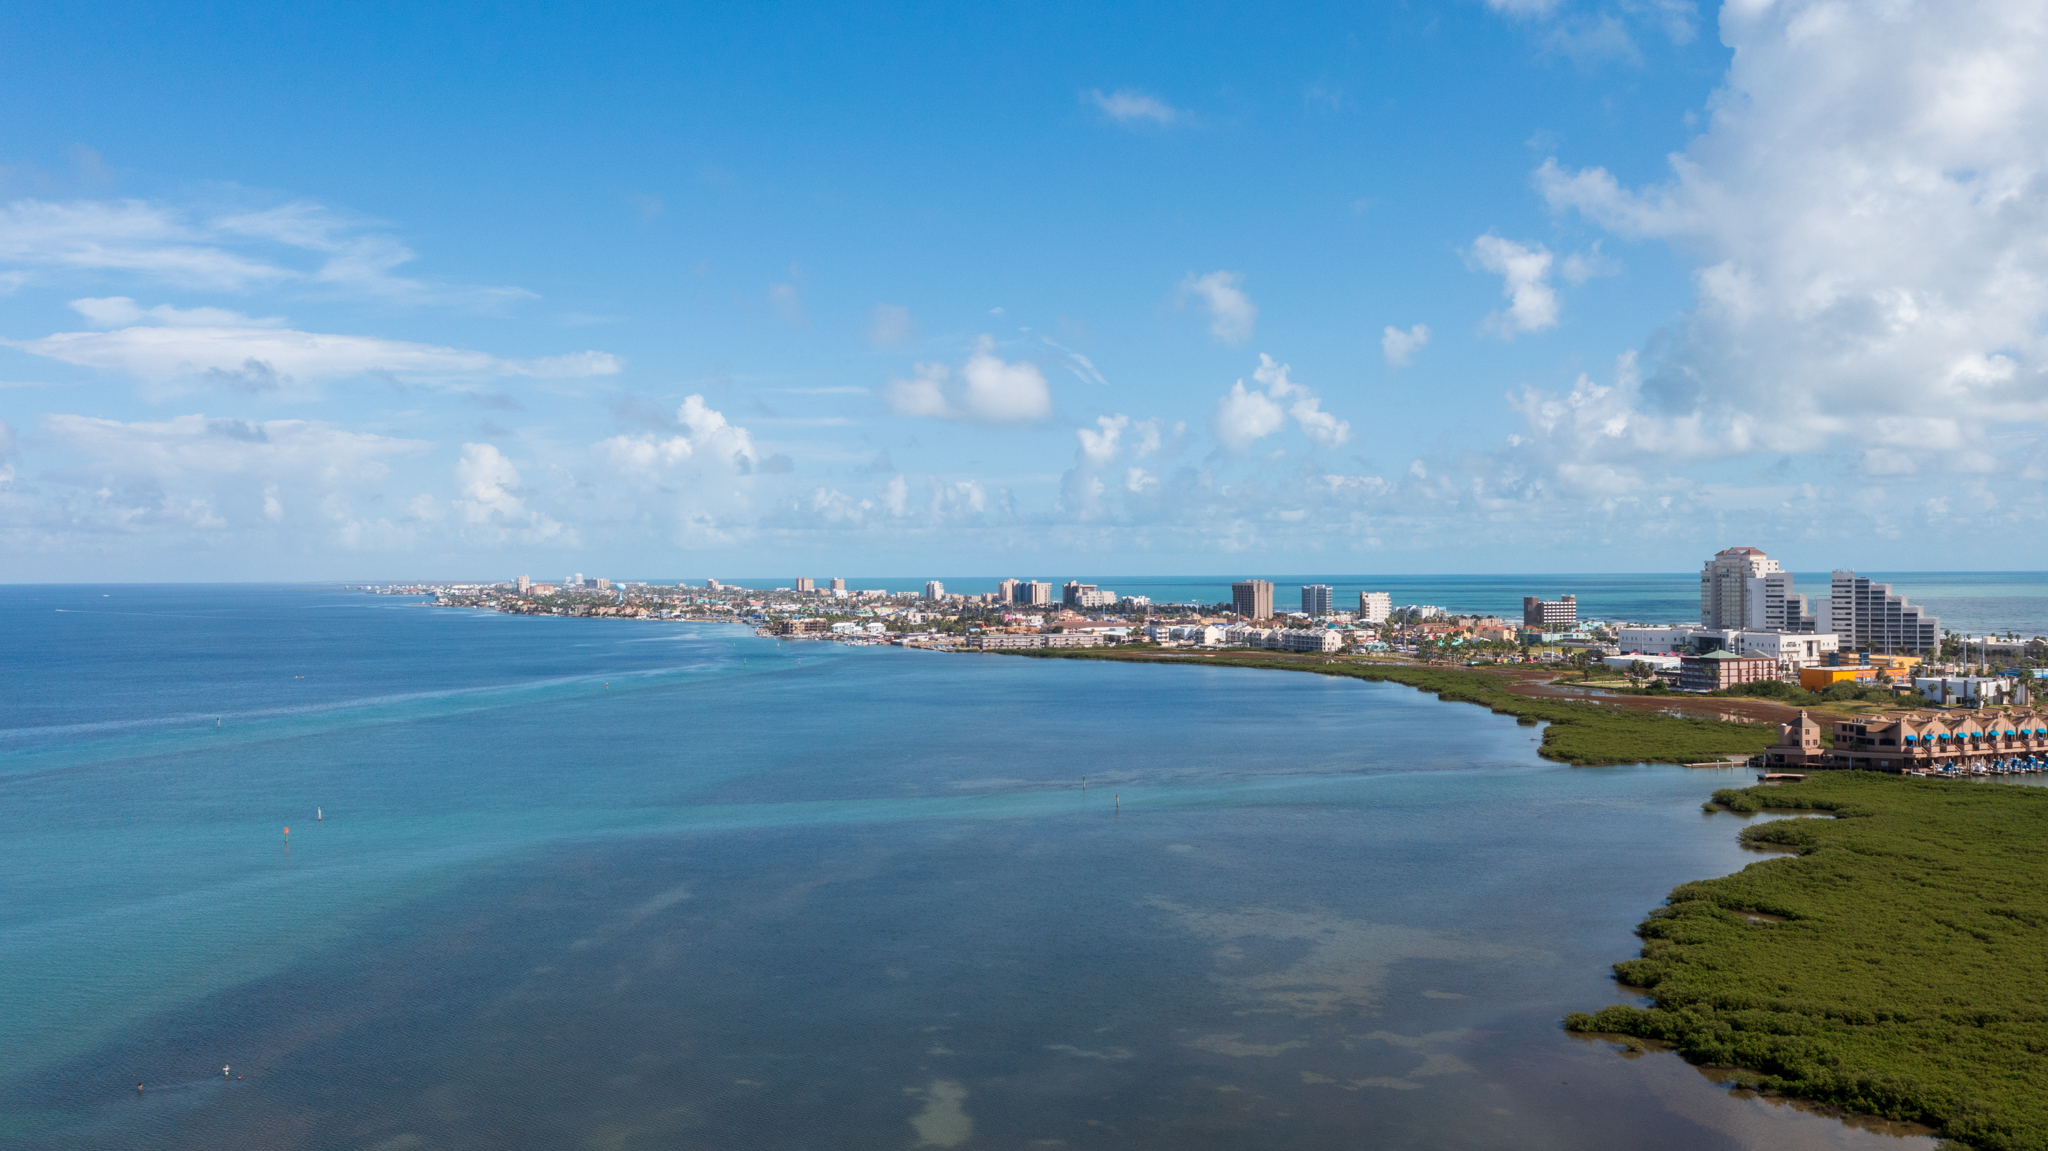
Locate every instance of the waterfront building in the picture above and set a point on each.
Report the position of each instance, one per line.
(1252, 598)
(1560, 614)
(934, 590)
(1868, 616)
(803, 627)
(1006, 591)
(525, 584)
(1136, 601)
(805, 584)
(1970, 690)
(1984, 739)
(1722, 669)
(1034, 593)
(1086, 596)
(1310, 639)
(838, 585)
(1744, 589)
(1316, 600)
(1375, 606)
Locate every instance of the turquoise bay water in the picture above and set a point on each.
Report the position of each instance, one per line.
(602, 883)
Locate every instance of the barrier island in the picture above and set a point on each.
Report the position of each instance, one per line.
(1893, 964)
(1580, 732)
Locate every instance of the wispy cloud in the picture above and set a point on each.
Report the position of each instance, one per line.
(1127, 106)
(301, 245)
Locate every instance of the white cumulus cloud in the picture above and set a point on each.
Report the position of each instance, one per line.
(1399, 347)
(1232, 314)
(1525, 280)
(1865, 209)
(987, 389)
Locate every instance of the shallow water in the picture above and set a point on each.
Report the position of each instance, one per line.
(613, 884)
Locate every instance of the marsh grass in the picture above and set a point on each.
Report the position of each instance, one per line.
(1900, 970)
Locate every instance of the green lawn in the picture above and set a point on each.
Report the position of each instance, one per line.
(1907, 977)
(1579, 733)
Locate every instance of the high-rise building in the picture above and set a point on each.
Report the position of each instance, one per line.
(1868, 616)
(934, 590)
(1315, 599)
(806, 583)
(1375, 606)
(606, 585)
(1252, 598)
(1550, 615)
(1743, 588)
(576, 580)
(1035, 593)
(525, 584)
(1006, 591)
(838, 584)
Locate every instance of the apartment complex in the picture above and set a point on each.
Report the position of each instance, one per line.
(1867, 615)
(1967, 741)
(1375, 606)
(1252, 598)
(934, 590)
(806, 584)
(1316, 599)
(1560, 614)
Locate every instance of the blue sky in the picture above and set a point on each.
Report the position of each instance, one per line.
(1522, 285)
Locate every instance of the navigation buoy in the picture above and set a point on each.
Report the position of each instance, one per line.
(319, 815)
(287, 834)
(223, 1071)
(1119, 801)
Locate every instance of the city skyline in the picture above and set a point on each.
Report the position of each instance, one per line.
(1528, 286)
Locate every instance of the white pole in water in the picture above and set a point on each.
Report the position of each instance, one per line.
(319, 815)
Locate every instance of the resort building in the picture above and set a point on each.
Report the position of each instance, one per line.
(1742, 588)
(1721, 669)
(1375, 606)
(837, 585)
(1086, 596)
(806, 584)
(1252, 599)
(1961, 742)
(934, 590)
(1868, 616)
(1560, 614)
(1316, 600)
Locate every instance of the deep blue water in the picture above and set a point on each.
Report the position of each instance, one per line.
(617, 884)
(1972, 602)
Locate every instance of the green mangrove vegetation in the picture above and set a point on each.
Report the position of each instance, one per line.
(1893, 965)
(1580, 732)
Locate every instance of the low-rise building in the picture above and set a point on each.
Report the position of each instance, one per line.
(1723, 669)
(1375, 606)
(1969, 690)
(1310, 639)
(1967, 742)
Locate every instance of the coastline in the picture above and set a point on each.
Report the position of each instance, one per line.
(1581, 733)
(1765, 969)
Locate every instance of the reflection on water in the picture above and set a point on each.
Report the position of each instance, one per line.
(864, 904)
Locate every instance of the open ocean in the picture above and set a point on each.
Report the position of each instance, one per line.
(612, 884)
(1972, 602)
